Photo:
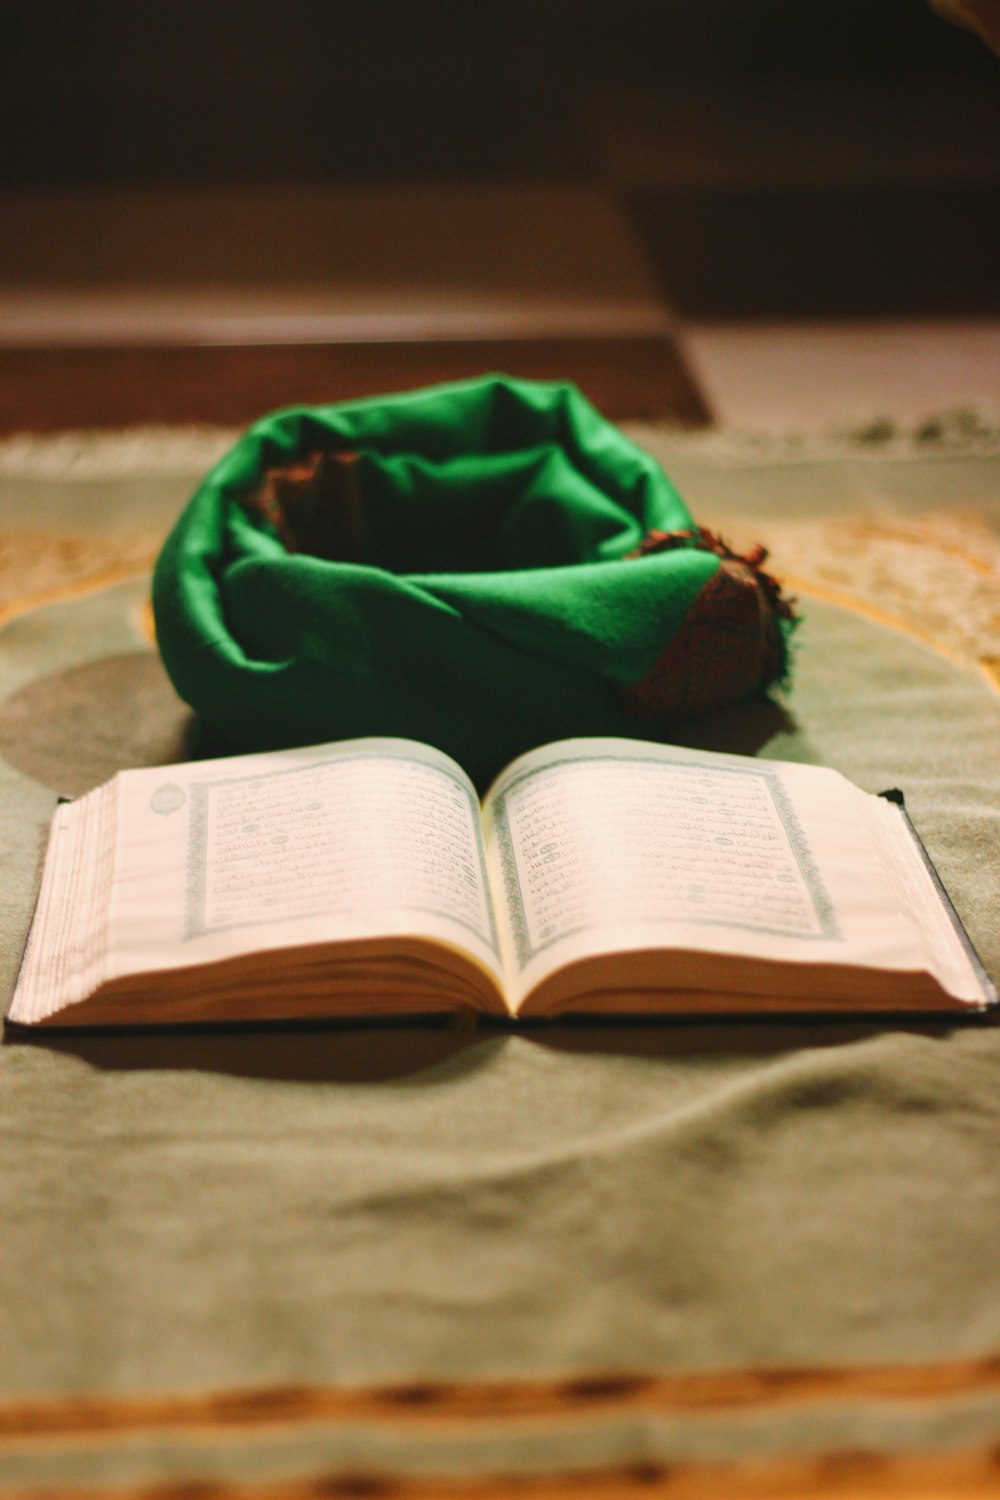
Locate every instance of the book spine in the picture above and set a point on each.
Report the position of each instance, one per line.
(989, 991)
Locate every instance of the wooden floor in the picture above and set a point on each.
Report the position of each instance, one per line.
(815, 376)
(45, 388)
(214, 304)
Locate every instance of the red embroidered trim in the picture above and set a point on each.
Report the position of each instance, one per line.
(704, 540)
(730, 641)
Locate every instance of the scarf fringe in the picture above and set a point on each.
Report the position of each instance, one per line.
(703, 540)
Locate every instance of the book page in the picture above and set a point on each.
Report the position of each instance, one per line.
(362, 839)
(605, 846)
(66, 952)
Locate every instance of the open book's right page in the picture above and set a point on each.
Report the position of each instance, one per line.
(759, 873)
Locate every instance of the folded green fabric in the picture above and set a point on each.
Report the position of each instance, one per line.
(483, 566)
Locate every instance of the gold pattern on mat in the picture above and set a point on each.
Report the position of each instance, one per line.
(42, 567)
(431, 1402)
(848, 1475)
(935, 577)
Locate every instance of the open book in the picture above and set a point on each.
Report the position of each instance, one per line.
(605, 876)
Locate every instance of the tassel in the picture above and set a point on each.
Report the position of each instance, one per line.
(730, 643)
(708, 541)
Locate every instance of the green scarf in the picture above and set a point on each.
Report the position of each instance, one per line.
(482, 566)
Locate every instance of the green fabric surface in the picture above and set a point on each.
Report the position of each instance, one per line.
(201, 1211)
(490, 607)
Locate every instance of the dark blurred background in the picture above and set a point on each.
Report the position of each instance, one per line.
(777, 156)
(771, 158)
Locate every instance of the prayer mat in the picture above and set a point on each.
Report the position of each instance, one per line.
(685, 1259)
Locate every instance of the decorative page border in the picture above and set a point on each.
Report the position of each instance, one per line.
(197, 860)
(801, 850)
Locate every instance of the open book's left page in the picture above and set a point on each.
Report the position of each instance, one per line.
(368, 851)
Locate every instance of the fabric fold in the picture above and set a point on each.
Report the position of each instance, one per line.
(468, 565)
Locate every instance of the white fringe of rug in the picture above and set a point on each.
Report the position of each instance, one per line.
(963, 432)
(147, 452)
